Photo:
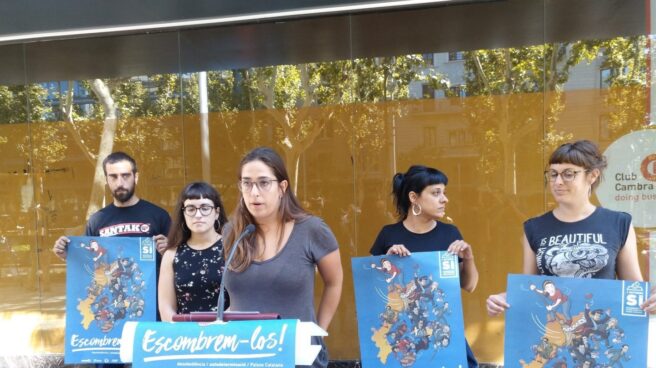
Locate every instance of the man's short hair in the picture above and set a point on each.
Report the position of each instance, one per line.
(115, 157)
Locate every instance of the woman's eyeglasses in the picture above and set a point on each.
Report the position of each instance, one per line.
(190, 211)
(567, 175)
(263, 185)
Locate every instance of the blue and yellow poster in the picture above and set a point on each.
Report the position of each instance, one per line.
(109, 280)
(409, 311)
(557, 322)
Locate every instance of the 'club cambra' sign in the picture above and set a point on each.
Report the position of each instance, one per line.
(629, 182)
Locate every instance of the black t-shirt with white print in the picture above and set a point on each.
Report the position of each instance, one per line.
(142, 219)
(587, 248)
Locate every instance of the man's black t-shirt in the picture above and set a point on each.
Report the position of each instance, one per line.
(437, 239)
(143, 219)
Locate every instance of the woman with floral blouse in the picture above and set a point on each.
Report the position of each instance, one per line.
(192, 264)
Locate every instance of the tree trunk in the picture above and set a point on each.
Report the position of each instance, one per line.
(204, 127)
(67, 111)
(505, 131)
(106, 145)
(293, 159)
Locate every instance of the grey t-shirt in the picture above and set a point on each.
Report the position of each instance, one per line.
(284, 284)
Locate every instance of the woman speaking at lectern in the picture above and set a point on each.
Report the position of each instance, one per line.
(273, 268)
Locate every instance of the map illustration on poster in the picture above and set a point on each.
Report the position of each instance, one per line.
(109, 280)
(409, 311)
(575, 322)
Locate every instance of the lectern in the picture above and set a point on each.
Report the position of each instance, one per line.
(272, 343)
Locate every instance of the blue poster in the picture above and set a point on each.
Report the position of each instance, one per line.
(409, 311)
(557, 322)
(109, 280)
(266, 343)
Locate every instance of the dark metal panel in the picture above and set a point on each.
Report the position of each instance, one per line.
(28, 16)
(106, 57)
(492, 25)
(244, 46)
(453, 28)
(12, 67)
(567, 20)
(486, 25)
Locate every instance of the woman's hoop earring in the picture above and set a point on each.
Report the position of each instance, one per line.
(414, 209)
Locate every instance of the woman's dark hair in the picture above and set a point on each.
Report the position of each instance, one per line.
(415, 180)
(179, 232)
(290, 210)
(582, 153)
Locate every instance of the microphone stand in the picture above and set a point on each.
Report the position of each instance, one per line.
(248, 230)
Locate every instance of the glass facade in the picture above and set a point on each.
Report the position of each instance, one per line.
(347, 109)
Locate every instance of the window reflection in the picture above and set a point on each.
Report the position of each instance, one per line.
(484, 117)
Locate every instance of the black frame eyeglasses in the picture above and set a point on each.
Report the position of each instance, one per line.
(205, 210)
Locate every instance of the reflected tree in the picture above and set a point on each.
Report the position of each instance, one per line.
(368, 84)
(13, 102)
(45, 143)
(110, 119)
(348, 93)
(499, 85)
(42, 148)
(624, 74)
(288, 93)
(494, 77)
(514, 92)
(231, 93)
(124, 112)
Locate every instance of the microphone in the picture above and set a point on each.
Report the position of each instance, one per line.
(219, 314)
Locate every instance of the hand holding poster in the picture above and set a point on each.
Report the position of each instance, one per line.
(409, 310)
(575, 322)
(108, 281)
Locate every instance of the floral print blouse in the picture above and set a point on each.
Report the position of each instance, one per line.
(197, 277)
